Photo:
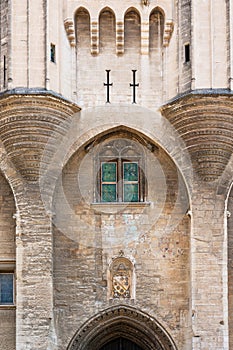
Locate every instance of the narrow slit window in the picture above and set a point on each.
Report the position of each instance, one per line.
(52, 53)
(4, 71)
(187, 52)
(6, 288)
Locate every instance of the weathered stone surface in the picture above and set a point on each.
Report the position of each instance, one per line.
(204, 121)
(27, 122)
(175, 245)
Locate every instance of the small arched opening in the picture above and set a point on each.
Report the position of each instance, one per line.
(156, 29)
(107, 30)
(82, 23)
(132, 25)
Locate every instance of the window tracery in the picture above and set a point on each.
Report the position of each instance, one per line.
(120, 172)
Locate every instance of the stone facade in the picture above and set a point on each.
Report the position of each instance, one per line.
(138, 85)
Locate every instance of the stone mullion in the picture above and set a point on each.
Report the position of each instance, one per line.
(208, 261)
(34, 283)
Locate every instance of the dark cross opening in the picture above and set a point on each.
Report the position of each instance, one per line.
(108, 84)
(4, 71)
(134, 85)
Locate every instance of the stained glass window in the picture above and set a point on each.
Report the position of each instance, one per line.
(130, 178)
(130, 171)
(109, 182)
(130, 192)
(109, 172)
(120, 167)
(108, 193)
(6, 288)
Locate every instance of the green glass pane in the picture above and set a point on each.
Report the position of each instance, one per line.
(130, 171)
(109, 172)
(131, 193)
(6, 288)
(108, 193)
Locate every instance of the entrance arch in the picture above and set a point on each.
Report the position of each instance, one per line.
(122, 324)
(121, 344)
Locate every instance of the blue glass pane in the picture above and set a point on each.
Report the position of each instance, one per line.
(130, 172)
(130, 192)
(6, 288)
(108, 193)
(109, 172)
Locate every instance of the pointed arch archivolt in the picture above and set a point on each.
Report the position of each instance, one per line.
(125, 321)
(92, 122)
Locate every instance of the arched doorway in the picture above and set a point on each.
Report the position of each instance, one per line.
(122, 328)
(121, 344)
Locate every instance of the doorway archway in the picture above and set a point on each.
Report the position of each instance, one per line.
(118, 324)
(121, 344)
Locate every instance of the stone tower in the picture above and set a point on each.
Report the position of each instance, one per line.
(116, 168)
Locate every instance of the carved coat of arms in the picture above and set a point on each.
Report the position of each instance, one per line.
(121, 281)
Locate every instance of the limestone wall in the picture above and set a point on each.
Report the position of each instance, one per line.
(155, 236)
(4, 43)
(230, 267)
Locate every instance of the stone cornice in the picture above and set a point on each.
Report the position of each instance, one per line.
(38, 92)
(197, 93)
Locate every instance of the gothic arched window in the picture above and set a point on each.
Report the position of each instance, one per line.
(120, 172)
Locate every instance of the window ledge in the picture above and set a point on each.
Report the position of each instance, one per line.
(7, 307)
(110, 207)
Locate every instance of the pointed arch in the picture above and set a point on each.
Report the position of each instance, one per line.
(122, 321)
(82, 25)
(132, 26)
(156, 23)
(107, 30)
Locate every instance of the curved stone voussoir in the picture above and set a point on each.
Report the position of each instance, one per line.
(122, 321)
(204, 119)
(27, 122)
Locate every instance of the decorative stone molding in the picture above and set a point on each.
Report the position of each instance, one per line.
(125, 321)
(69, 27)
(145, 38)
(168, 30)
(120, 37)
(94, 38)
